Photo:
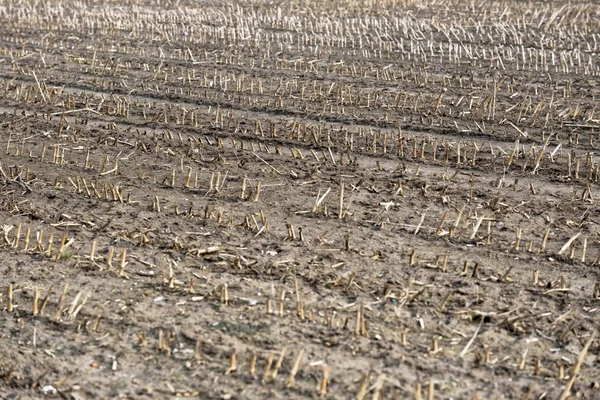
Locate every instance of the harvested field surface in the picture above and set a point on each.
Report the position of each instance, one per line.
(299, 199)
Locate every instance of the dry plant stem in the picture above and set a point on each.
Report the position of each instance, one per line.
(442, 221)
(76, 306)
(279, 361)
(269, 306)
(26, 244)
(468, 345)
(457, 221)
(198, 350)
(476, 227)
(39, 247)
(378, 387)
(544, 241)
(518, 240)
(300, 310)
(39, 87)
(420, 224)
(46, 299)
(364, 384)
(111, 252)
(320, 200)
(569, 242)
(36, 299)
(232, 363)
(434, 345)
(258, 186)
(171, 278)
(268, 368)
(10, 307)
(17, 237)
(61, 302)
(61, 248)
(532, 387)
(324, 379)
(363, 323)
(567, 392)
(161, 340)
(96, 326)
(244, 183)
(524, 359)
(295, 368)
(252, 367)
(49, 248)
(431, 391)
(93, 251)
(418, 392)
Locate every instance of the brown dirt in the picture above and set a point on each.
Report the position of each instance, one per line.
(137, 125)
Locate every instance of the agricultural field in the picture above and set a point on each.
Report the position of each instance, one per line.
(386, 199)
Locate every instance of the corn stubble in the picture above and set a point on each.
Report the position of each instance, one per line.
(309, 199)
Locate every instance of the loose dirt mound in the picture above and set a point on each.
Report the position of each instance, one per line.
(286, 200)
